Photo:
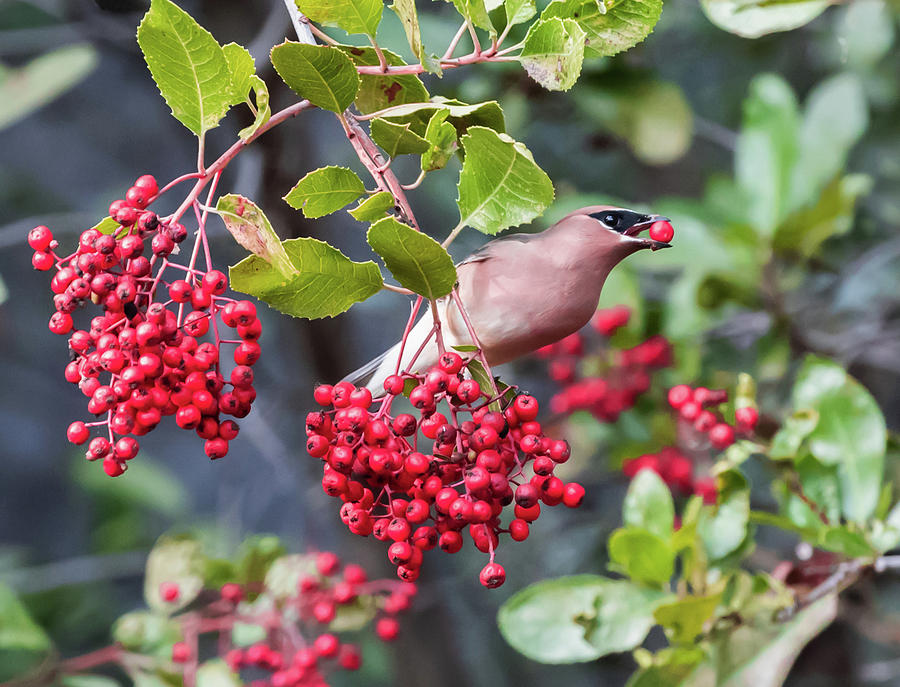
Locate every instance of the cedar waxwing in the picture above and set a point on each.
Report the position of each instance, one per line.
(524, 291)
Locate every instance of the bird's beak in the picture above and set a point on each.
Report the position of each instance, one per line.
(638, 227)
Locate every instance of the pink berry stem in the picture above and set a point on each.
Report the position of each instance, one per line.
(480, 352)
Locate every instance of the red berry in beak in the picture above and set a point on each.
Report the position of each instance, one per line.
(662, 231)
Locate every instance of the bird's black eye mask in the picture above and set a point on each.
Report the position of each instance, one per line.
(621, 220)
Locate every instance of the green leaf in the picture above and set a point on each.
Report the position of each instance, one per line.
(323, 75)
(723, 528)
(216, 673)
(325, 190)
(500, 184)
(263, 110)
(835, 118)
(22, 641)
(250, 227)
(188, 65)
(652, 116)
(355, 615)
(441, 138)
(146, 485)
(326, 282)
(797, 426)
(476, 12)
(767, 150)
(804, 231)
(519, 11)
(372, 208)
(755, 19)
(30, 87)
(177, 559)
(86, 681)
(611, 28)
(488, 114)
(406, 11)
(380, 91)
(865, 33)
(821, 486)
(415, 259)
(107, 225)
(684, 619)
(255, 557)
(285, 574)
(147, 633)
(578, 618)
(851, 433)
(648, 504)
(845, 541)
(553, 53)
(761, 653)
(642, 555)
(353, 16)
(241, 67)
(886, 535)
(397, 139)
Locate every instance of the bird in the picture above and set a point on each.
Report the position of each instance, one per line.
(522, 292)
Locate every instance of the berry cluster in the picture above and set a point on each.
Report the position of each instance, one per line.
(697, 407)
(623, 374)
(421, 482)
(300, 650)
(676, 470)
(155, 348)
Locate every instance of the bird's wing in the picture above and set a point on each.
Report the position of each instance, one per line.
(488, 250)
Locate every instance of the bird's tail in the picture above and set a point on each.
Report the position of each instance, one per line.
(361, 376)
(373, 373)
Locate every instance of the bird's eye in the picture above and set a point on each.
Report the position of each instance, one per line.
(610, 220)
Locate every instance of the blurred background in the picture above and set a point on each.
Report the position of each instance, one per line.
(778, 159)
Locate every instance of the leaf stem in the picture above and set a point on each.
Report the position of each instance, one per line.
(382, 61)
(453, 234)
(415, 184)
(476, 44)
(397, 289)
(453, 43)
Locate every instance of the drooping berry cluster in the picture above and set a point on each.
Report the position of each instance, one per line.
(300, 649)
(155, 349)
(416, 483)
(697, 407)
(618, 377)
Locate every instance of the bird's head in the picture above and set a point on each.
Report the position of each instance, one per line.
(620, 228)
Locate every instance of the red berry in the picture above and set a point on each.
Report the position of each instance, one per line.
(326, 645)
(721, 435)
(232, 592)
(746, 418)
(169, 591)
(662, 231)
(327, 563)
(147, 182)
(679, 395)
(492, 575)
(181, 652)
(387, 629)
(39, 238)
(573, 495)
(77, 433)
